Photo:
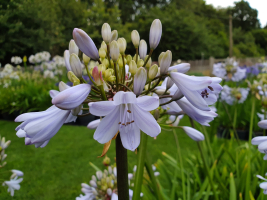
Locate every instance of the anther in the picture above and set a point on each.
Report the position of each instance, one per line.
(129, 111)
(132, 121)
(122, 124)
(119, 122)
(204, 93)
(210, 88)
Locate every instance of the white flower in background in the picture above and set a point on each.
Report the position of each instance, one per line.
(126, 114)
(261, 141)
(232, 95)
(263, 185)
(59, 60)
(4, 144)
(13, 184)
(16, 60)
(16, 173)
(229, 70)
(48, 74)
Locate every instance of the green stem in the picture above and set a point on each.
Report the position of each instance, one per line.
(251, 120)
(122, 170)
(208, 172)
(207, 139)
(146, 92)
(89, 75)
(117, 76)
(150, 171)
(102, 91)
(123, 70)
(108, 55)
(136, 55)
(140, 167)
(150, 53)
(181, 163)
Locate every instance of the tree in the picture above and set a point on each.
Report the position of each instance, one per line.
(244, 16)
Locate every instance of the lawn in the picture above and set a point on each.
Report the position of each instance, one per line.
(56, 171)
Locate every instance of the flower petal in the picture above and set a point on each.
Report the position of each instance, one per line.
(131, 139)
(193, 133)
(148, 103)
(53, 93)
(263, 124)
(108, 127)
(145, 121)
(124, 98)
(182, 68)
(93, 124)
(190, 82)
(259, 139)
(101, 108)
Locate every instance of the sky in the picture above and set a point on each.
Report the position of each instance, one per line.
(260, 5)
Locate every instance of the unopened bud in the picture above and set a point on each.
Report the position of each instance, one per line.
(142, 49)
(149, 62)
(93, 184)
(97, 76)
(109, 191)
(108, 73)
(132, 67)
(86, 59)
(134, 58)
(114, 50)
(135, 38)
(73, 48)
(106, 162)
(122, 45)
(140, 63)
(73, 78)
(120, 62)
(101, 68)
(160, 56)
(114, 35)
(24, 58)
(153, 70)
(99, 175)
(75, 65)
(111, 78)
(102, 53)
(140, 80)
(105, 62)
(155, 33)
(106, 33)
(128, 58)
(62, 86)
(165, 62)
(104, 46)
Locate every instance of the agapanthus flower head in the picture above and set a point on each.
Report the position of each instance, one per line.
(232, 95)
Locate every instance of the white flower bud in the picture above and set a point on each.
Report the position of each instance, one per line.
(104, 46)
(155, 33)
(193, 133)
(132, 67)
(156, 173)
(67, 59)
(109, 191)
(76, 66)
(120, 62)
(73, 48)
(86, 59)
(160, 56)
(128, 58)
(153, 71)
(165, 62)
(135, 38)
(114, 50)
(94, 178)
(149, 62)
(142, 49)
(130, 176)
(139, 80)
(140, 63)
(134, 169)
(99, 175)
(93, 184)
(106, 32)
(62, 86)
(122, 45)
(114, 35)
(115, 171)
(110, 170)
(102, 53)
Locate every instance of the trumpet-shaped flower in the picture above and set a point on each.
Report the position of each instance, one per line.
(72, 97)
(190, 87)
(126, 114)
(13, 184)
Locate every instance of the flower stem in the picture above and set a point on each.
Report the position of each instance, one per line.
(122, 170)
(140, 167)
(102, 91)
(123, 78)
(150, 53)
(251, 120)
(150, 171)
(117, 76)
(136, 58)
(208, 172)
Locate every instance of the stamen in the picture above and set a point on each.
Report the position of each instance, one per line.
(119, 122)
(123, 124)
(132, 121)
(129, 111)
(210, 88)
(204, 93)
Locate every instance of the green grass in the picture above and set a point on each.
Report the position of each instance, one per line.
(56, 171)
